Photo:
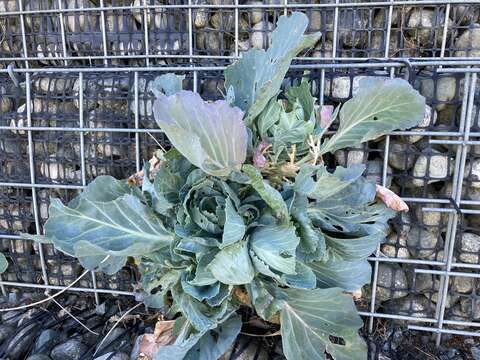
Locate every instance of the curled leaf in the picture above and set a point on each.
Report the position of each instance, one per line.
(212, 136)
(259, 160)
(392, 200)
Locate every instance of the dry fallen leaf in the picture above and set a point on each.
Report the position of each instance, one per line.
(162, 336)
(137, 178)
(392, 200)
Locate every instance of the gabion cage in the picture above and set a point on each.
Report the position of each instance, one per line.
(76, 102)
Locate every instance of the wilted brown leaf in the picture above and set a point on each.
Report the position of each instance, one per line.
(392, 200)
(162, 336)
(137, 178)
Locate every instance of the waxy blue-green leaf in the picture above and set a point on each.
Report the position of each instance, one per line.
(167, 84)
(302, 94)
(271, 196)
(200, 315)
(275, 245)
(200, 292)
(328, 185)
(217, 341)
(122, 227)
(234, 228)
(212, 136)
(312, 241)
(258, 75)
(3, 263)
(309, 318)
(232, 265)
(351, 220)
(269, 116)
(304, 277)
(266, 302)
(379, 107)
(335, 272)
(105, 188)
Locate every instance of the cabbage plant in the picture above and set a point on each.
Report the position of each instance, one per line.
(242, 210)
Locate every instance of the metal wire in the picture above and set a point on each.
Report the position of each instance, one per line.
(114, 71)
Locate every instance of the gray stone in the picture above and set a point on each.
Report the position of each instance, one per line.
(469, 42)
(429, 119)
(469, 248)
(351, 156)
(421, 243)
(392, 282)
(403, 225)
(70, 350)
(80, 21)
(395, 247)
(156, 18)
(19, 344)
(401, 155)
(412, 305)
(47, 340)
(472, 173)
(340, 86)
(39, 357)
(419, 282)
(430, 218)
(464, 14)
(435, 166)
(442, 90)
(200, 18)
(113, 356)
(425, 26)
(261, 35)
(223, 21)
(463, 284)
(6, 330)
(348, 20)
(471, 309)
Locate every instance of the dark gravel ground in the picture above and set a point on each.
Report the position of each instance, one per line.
(50, 333)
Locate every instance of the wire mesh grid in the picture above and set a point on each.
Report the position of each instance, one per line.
(76, 102)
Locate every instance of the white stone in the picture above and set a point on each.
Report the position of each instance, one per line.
(472, 173)
(425, 26)
(435, 166)
(421, 242)
(261, 35)
(445, 90)
(469, 248)
(429, 118)
(469, 43)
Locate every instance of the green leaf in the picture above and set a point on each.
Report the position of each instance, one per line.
(275, 245)
(264, 298)
(335, 272)
(216, 342)
(309, 318)
(104, 189)
(379, 107)
(271, 196)
(167, 84)
(354, 248)
(312, 241)
(304, 277)
(212, 136)
(330, 185)
(302, 94)
(257, 76)
(3, 263)
(351, 221)
(234, 228)
(290, 129)
(200, 315)
(232, 265)
(119, 228)
(269, 116)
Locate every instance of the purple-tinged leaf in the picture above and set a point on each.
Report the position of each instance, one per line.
(212, 136)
